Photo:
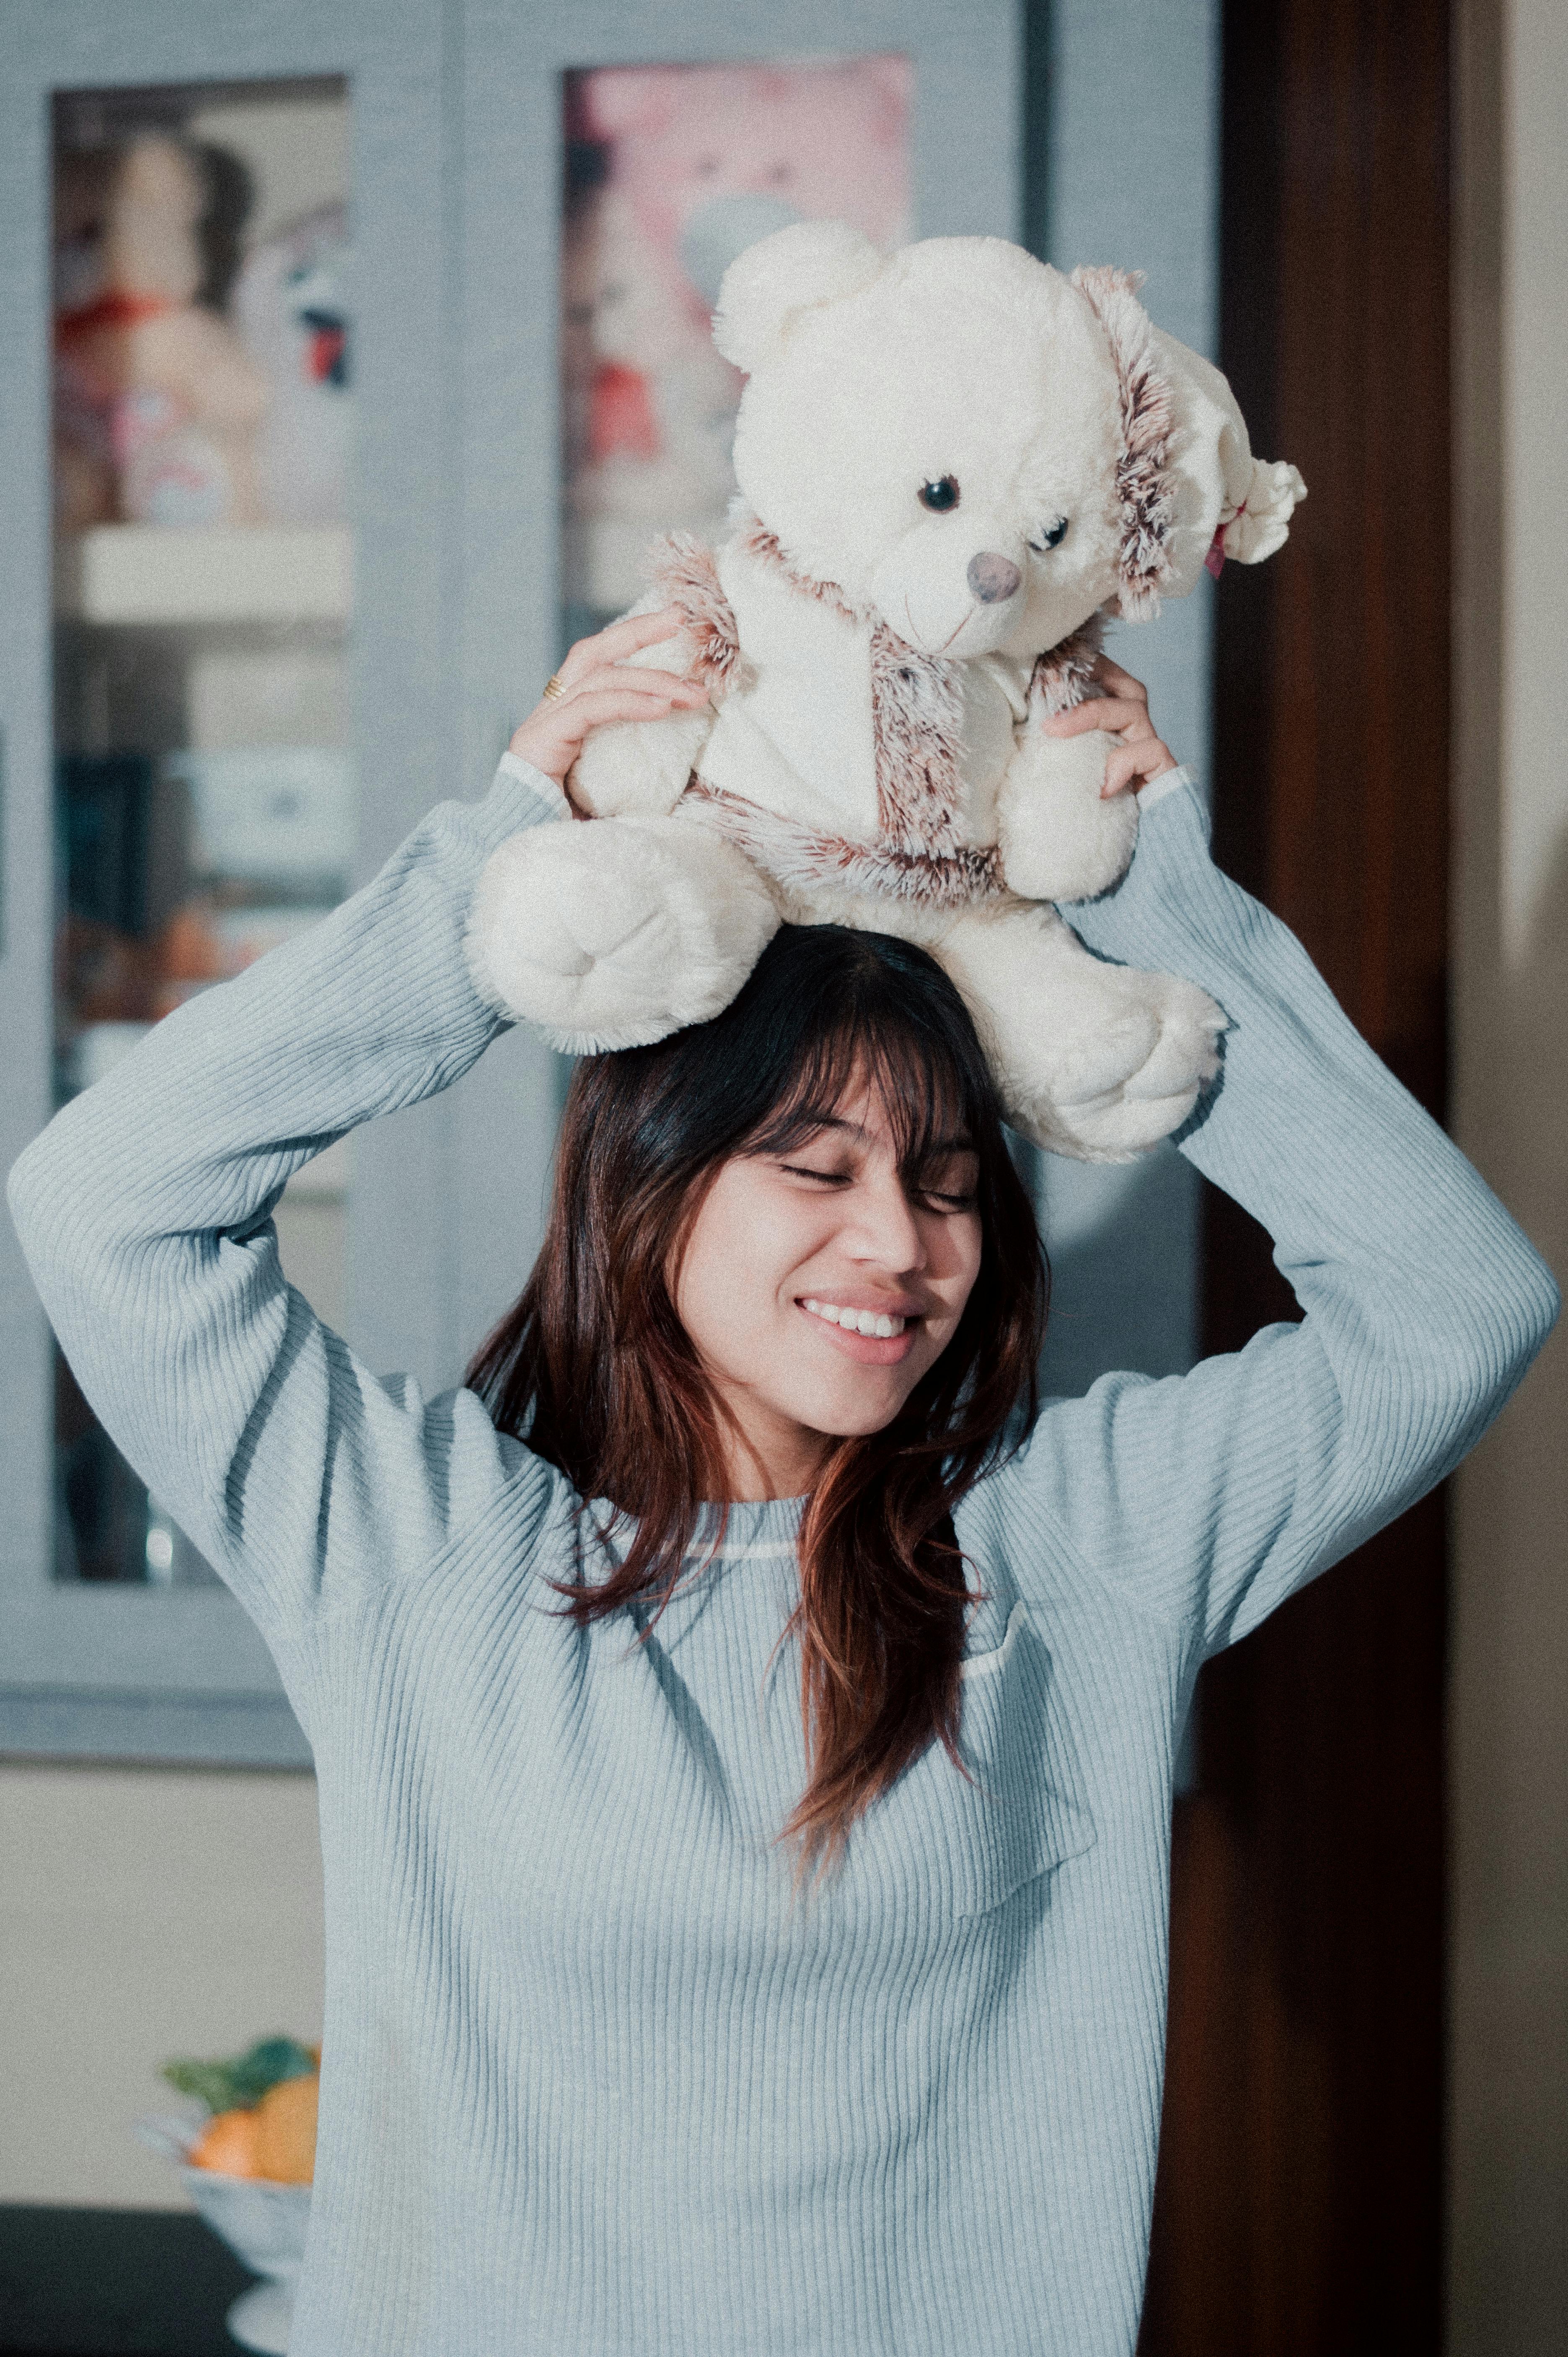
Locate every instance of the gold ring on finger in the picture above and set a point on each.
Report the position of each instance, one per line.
(554, 685)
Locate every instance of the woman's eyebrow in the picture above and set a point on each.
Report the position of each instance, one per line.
(814, 1123)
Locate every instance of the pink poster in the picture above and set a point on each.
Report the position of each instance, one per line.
(671, 172)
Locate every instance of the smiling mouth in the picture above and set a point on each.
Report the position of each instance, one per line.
(882, 1324)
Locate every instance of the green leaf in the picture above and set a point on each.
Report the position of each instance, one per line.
(211, 2084)
(244, 2079)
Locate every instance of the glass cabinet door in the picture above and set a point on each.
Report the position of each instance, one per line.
(205, 789)
(220, 226)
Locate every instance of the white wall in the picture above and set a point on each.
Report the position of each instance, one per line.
(144, 1913)
(1508, 1726)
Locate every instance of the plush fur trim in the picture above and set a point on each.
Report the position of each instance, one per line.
(1062, 675)
(1148, 416)
(917, 720)
(685, 575)
(802, 861)
(758, 541)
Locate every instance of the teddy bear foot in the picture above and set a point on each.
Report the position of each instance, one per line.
(1098, 1062)
(1168, 1042)
(617, 932)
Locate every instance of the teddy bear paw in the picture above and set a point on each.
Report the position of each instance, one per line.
(1060, 838)
(616, 933)
(1166, 1044)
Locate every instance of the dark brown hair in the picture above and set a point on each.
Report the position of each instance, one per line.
(594, 1369)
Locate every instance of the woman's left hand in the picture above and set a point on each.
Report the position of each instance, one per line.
(1122, 709)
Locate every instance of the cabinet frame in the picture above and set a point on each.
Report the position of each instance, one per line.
(181, 1674)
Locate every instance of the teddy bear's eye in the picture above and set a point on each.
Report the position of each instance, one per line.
(1050, 535)
(940, 496)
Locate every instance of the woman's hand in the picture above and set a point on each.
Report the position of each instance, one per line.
(597, 685)
(1122, 709)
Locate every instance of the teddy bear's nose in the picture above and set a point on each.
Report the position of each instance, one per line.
(992, 579)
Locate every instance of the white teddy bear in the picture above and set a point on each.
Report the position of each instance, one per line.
(952, 464)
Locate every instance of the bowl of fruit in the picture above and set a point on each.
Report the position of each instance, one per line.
(247, 2158)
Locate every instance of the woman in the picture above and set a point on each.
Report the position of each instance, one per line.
(767, 1951)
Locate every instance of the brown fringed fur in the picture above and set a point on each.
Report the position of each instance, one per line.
(686, 574)
(1142, 485)
(1062, 675)
(916, 705)
(917, 717)
(803, 861)
(757, 541)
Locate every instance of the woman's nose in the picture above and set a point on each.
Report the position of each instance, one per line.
(889, 1231)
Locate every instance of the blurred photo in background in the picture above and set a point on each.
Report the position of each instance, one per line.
(672, 171)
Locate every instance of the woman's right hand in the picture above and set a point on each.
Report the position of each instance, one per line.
(598, 685)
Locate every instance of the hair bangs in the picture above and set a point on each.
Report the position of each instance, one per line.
(936, 1098)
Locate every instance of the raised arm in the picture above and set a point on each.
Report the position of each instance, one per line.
(145, 1211)
(1215, 1494)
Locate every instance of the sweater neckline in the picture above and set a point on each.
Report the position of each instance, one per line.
(755, 1530)
(759, 1530)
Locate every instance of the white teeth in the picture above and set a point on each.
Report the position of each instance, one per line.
(857, 1321)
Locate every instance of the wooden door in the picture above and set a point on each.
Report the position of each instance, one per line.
(1298, 2209)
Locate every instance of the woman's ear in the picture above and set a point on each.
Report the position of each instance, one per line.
(767, 288)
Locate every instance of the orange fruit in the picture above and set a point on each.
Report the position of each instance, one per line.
(227, 2143)
(285, 2131)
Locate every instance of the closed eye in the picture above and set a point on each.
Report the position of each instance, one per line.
(939, 1201)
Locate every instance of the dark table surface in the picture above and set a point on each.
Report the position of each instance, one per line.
(113, 2283)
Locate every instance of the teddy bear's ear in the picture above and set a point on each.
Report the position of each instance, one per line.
(1225, 501)
(767, 287)
(1190, 491)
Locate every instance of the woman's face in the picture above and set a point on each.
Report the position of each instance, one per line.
(818, 1285)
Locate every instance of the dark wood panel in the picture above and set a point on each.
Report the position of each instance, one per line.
(1298, 2210)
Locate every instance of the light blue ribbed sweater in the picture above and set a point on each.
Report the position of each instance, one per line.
(592, 2084)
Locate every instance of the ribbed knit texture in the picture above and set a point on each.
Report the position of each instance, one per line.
(593, 2081)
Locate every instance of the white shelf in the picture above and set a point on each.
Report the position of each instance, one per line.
(148, 574)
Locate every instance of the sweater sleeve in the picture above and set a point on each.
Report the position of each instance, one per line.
(144, 1210)
(1214, 1495)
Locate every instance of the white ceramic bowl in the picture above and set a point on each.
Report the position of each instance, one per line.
(263, 2225)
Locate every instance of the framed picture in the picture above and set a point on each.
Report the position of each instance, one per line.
(672, 171)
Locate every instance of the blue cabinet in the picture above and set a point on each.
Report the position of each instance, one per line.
(255, 629)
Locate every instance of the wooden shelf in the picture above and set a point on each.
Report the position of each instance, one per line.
(152, 574)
